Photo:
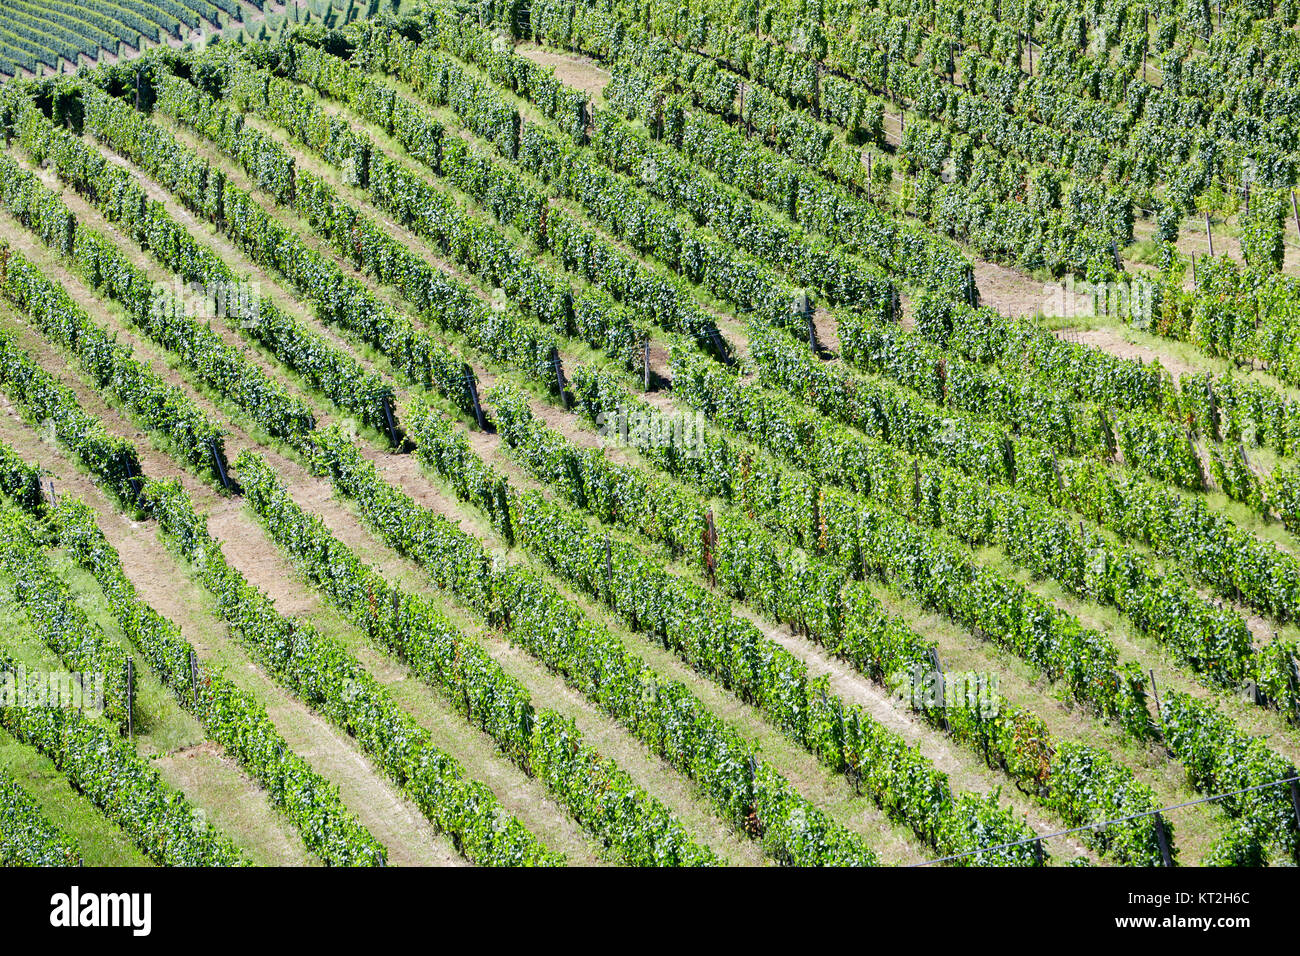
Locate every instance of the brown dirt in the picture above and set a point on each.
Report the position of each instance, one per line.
(1008, 290)
(828, 331)
(572, 69)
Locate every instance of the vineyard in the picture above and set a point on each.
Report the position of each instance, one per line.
(621, 432)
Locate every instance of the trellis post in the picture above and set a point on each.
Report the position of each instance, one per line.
(1162, 837)
(471, 385)
(130, 696)
(558, 369)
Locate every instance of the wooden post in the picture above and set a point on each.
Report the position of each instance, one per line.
(1193, 268)
(1163, 839)
(1295, 801)
(558, 369)
(194, 677)
(943, 692)
(710, 539)
(1213, 407)
(645, 361)
(1295, 213)
(386, 401)
(471, 385)
(1146, 40)
(54, 500)
(1209, 236)
(718, 346)
(609, 569)
(1156, 694)
(130, 696)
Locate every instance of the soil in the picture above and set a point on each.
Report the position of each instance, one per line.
(572, 69)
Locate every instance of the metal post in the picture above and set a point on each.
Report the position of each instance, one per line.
(221, 465)
(609, 568)
(194, 676)
(130, 475)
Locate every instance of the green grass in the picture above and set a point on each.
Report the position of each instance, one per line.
(101, 842)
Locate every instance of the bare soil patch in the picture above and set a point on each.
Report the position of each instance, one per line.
(572, 69)
(1010, 291)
